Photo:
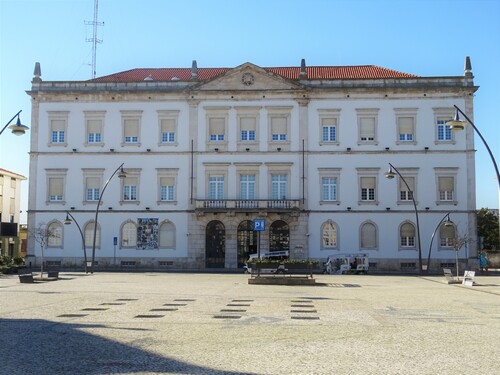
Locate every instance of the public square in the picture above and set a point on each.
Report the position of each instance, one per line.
(185, 323)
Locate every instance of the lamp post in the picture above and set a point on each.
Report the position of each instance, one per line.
(456, 124)
(122, 174)
(390, 175)
(18, 129)
(68, 221)
(447, 223)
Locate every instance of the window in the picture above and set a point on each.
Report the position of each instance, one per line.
(216, 187)
(368, 236)
(446, 188)
(329, 130)
(406, 128)
(404, 193)
(278, 129)
(279, 186)
(447, 235)
(58, 124)
(217, 130)
(167, 235)
(247, 129)
(167, 189)
(56, 189)
(89, 235)
(167, 131)
(444, 132)
(131, 131)
(247, 187)
(129, 235)
(329, 235)
(407, 235)
(130, 189)
(92, 188)
(131, 121)
(329, 188)
(168, 127)
(94, 121)
(367, 125)
(54, 234)
(367, 188)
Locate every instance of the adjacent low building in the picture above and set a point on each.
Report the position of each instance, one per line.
(208, 152)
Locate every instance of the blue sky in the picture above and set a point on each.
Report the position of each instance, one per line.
(424, 37)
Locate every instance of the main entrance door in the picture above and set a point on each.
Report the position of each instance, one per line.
(247, 242)
(215, 245)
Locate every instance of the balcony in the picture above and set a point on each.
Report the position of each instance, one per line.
(243, 205)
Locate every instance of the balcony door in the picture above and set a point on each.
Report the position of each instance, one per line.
(279, 236)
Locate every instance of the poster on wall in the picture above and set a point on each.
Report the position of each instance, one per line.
(147, 233)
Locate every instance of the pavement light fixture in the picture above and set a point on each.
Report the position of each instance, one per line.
(390, 174)
(69, 221)
(446, 221)
(122, 174)
(18, 128)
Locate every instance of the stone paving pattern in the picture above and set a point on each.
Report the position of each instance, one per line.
(183, 323)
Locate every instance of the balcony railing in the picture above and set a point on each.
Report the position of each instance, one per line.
(247, 205)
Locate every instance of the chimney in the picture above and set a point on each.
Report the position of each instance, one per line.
(194, 71)
(303, 73)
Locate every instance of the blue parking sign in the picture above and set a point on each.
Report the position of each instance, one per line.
(259, 225)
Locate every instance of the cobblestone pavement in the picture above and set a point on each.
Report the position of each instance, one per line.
(180, 323)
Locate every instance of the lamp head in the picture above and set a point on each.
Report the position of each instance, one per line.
(456, 124)
(122, 173)
(390, 174)
(18, 129)
(67, 221)
(448, 222)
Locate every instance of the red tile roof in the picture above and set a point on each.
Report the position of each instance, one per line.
(12, 173)
(313, 72)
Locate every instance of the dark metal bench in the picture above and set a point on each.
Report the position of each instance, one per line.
(53, 271)
(25, 275)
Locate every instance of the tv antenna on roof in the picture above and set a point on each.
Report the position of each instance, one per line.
(94, 38)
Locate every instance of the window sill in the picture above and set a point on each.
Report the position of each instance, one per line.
(130, 202)
(369, 203)
(173, 203)
(331, 203)
(446, 203)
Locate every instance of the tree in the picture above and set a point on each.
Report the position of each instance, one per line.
(488, 229)
(42, 235)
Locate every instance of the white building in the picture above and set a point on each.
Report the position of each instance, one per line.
(207, 151)
(10, 204)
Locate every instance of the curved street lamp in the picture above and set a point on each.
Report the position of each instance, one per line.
(18, 129)
(447, 223)
(390, 175)
(122, 174)
(68, 221)
(457, 125)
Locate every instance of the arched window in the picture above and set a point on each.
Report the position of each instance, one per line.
(129, 234)
(329, 235)
(368, 238)
(247, 241)
(407, 235)
(447, 235)
(167, 235)
(279, 236)
(54, 234)
(89, 235)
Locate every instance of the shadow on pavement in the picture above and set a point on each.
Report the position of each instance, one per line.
(44, 347)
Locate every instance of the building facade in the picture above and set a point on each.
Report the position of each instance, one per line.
(10, 204)
(207, 151)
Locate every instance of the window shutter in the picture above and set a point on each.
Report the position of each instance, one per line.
(411, 183)
(94, 126)
(93, 182)
(445, 183)
(168, 126)
(328, 121)
(56, 186)
(57, 125)
(368, 236)
(247, 123)
(407, 230)
(278, 125)
(367, 127)
(368, 182)
(405, 125)
(131, 128)
(217, 125)
(167, 181)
